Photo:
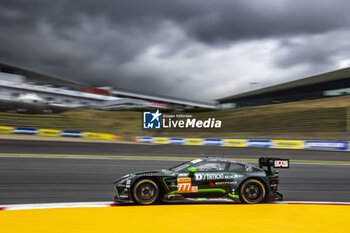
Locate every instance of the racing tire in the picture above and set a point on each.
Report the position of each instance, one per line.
(145, 192)
(252, 191)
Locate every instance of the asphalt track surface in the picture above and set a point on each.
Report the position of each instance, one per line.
(39, 180)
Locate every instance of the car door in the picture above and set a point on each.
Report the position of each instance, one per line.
(208, 181)
(236, 173)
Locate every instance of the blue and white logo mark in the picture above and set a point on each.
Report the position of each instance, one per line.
(151, 120)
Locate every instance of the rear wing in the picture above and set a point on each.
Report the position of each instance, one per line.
(272, 162)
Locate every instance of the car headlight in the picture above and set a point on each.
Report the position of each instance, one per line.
(123, 182)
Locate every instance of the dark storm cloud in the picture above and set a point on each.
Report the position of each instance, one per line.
(258, 19)
(204, 19)
(121, 42)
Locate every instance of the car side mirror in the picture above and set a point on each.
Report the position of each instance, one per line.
(192, 170)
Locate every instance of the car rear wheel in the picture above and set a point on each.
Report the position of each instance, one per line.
(145, 192)
(252, 191)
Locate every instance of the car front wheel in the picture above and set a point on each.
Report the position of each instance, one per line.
(145, 192)
(252, 191)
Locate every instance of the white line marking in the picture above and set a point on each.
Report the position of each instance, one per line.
(109, 204)
(314, 202)
(55, 205)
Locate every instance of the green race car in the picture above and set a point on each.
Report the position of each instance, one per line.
(204, 179)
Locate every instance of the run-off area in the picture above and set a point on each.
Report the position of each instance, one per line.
(181, 218)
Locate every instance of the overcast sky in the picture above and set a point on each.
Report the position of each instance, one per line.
(197, 49)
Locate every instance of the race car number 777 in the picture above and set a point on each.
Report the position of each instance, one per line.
(184, 185)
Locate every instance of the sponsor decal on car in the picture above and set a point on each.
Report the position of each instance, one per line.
(281, 163)
(224, 183)
(209, 176)
(182, 175)
(146, 174)
(184, 185)
(227, 177)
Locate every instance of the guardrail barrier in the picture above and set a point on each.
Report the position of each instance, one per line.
(257, 143)
(57, 133)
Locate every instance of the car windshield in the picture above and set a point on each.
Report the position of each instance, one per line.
(184, 165)
(180, 167)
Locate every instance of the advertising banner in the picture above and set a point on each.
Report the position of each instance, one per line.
(178, 141)
(6, 129)
(213, 142)
(235, 142)
(259, 143)
(73, 134)
(287, 144)
(145, 139)
(49, 132)
(30, 131)
(66, 133)
(194, 141)
(99, 136)
(326, 145)
(161, 140)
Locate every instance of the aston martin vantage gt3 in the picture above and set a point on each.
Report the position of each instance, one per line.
(204, 179)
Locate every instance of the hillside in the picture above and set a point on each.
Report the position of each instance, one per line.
(318, 119)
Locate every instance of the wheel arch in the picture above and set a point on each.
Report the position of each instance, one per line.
(259, 179)
(156, 179)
